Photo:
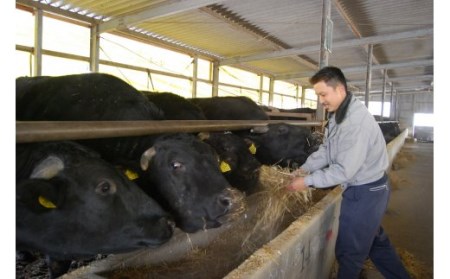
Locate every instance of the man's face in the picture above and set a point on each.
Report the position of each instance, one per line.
(330, 98)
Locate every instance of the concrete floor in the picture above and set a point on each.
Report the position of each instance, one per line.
(409, 218)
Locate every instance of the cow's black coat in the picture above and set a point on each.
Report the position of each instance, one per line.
(282, 144)
(175, 107)
(230, 108)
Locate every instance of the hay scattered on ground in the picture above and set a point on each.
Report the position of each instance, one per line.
(402, 160)
(397, 181)
(416, 269)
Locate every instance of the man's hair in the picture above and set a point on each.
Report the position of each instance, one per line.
(331, 76)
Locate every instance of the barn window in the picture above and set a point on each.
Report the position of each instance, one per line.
(423, 126)
(310, 98)
(375, 108)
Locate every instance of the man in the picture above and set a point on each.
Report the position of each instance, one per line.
(354, 155)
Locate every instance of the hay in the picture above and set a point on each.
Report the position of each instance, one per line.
(415, 268)
(276, 201)
(403, 160)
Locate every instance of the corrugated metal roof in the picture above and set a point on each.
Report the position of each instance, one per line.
(281, 38)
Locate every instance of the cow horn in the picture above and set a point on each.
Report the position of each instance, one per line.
(203, 135)
(259, 130)
(46, 202)
(48, 168)
(147, 157)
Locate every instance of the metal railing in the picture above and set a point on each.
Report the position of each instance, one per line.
(33, 131)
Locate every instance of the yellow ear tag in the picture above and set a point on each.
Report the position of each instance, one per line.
(131, 174)
(46, 203)
(224, 167)
(252, 149)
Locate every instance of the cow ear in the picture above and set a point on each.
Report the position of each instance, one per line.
(47, 168)
(146, 158)
(251, 145)
(224, 167)
(39, 195)
(203, 136)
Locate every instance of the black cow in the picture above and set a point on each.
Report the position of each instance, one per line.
(390, 130)
(174, 106)
(71, 204)
(238, 163)
(189, 184)
(282, 144)
(81, 97)
(180, 161)
(230, 108)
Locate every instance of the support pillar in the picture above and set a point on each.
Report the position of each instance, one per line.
(368, 75)
(37, 51)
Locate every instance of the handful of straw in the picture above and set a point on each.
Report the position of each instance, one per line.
(276, 200)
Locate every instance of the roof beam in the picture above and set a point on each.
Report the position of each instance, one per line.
(174, 7)
(400, 91)
(336, 45)
(235, 22)
(369, 49)
(414, 63)
(396, 79)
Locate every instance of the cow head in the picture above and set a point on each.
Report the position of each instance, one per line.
(282, 144)
(184, 174)
(238, 163)
(73, 204)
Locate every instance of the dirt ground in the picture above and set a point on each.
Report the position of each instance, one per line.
(409, 218)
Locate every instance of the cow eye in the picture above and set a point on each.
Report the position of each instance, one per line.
(105, 188)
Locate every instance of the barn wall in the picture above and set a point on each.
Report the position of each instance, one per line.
(408, 105)
(413, 103)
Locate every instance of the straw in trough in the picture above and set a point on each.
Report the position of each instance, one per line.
(276, 201)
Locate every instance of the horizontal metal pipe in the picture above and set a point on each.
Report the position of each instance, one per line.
(33, 131)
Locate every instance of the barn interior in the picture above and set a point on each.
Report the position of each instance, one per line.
(385, 49)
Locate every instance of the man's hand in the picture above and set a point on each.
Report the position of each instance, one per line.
(297, 184)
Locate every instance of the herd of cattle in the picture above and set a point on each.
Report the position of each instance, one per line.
(76, 199)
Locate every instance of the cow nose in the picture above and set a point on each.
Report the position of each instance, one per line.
(225, 201)
(232, 204)
(171, 224)
(230, 199)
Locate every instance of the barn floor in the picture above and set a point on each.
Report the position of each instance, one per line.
(409, 218)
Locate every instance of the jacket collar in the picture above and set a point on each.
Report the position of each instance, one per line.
(342, 110)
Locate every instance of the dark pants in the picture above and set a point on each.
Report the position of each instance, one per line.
(360, 234)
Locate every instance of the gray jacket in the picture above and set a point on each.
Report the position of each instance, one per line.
(353, 153)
